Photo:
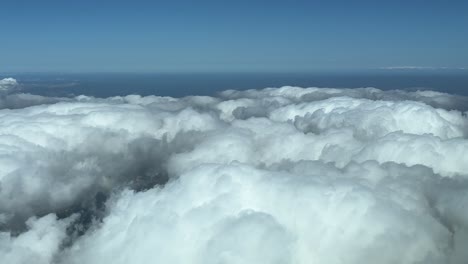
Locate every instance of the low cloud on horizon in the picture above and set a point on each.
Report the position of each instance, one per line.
(421, 68)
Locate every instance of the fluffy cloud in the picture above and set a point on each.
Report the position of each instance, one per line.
(7, 84)
(279, 175)
(39, 244)
(308, 211)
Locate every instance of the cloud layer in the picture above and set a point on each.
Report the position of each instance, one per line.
(279, 175)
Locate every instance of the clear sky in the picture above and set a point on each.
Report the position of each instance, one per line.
(186, 36)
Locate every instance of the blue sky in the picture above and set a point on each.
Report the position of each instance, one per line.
(192, 36)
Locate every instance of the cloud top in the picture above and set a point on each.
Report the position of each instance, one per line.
(279, 175)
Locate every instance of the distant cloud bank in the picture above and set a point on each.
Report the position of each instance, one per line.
(279, 175)
(421, 68)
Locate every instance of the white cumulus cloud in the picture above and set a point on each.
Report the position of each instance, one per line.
(7, 84)
(279, 175)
